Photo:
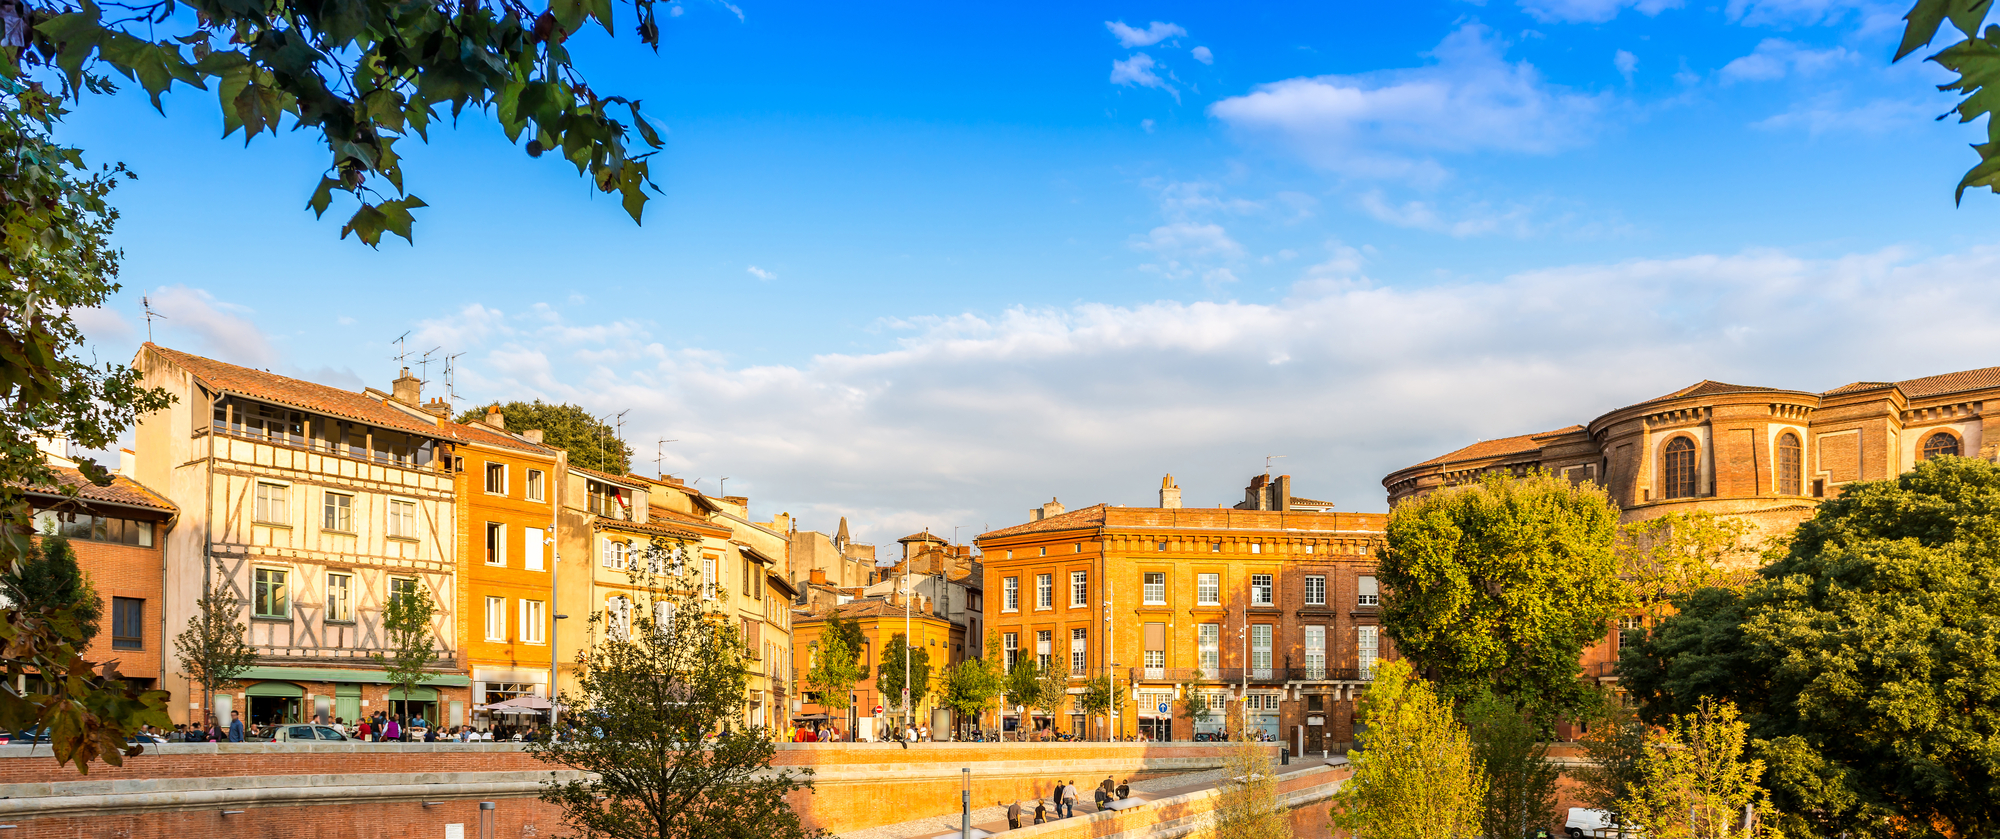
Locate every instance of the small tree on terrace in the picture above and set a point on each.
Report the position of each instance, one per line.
(1022, 688)
(1520, 779)
(1248, 806)
(1052, 690)
(407, 623)
(1415, 776)
(836, 662)
(1194, 702)
(1695, 779)
(656, 731)
(889, 676)
(211, 650)
(53, 580)
(1099, 698)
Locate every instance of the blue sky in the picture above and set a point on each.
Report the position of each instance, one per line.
(931, 264)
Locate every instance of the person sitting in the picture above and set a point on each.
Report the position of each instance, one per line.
(1125, 790)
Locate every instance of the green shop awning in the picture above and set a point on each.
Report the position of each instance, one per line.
(329, 674)
(275, 689)
(418, 695)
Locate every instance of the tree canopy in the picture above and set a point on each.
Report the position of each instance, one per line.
(1414, 772)
(591, 443)
(836, 662)
(1497, 587)
(361, 75)
(1976, 62)
(1870, 652)
(889, 674)
(52, 579)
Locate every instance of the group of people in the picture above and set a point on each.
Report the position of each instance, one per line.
(1064, 797)
(206, 731)
(380, 727)
(821, 733)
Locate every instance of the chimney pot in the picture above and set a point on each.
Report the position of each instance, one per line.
(819, 576)
(495, 418)
(533, 435)
(407, 389)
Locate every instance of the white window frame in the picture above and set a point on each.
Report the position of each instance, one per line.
(1079, 650)
(616, 554)
(398, 528)
(1208, 589)
(1010, 594)
(343, 523)
(1079, 588)
(1044, 647)
(496, 533)
(272, 503)
(1315, 649)
(1208, 643)
(618, 617)
(1367, 647)
(496, 618)
(1366, 592)
(1010, 649)
(340, 598)
(1260, 593)
(1153, 593)
(708, 589)
(537, 481)
(1045, 591)
(488, 478)
(1315, 590)
(534, 621)
(534, 548)
(1260, 651)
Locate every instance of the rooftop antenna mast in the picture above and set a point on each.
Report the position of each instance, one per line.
(660, 458)
(150, 315)
(1267, 464)
(451, 376)
(402, 348)
(424, 366)
(724, 491)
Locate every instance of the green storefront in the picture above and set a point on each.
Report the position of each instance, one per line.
(301, 694)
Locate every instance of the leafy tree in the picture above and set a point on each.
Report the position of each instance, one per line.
(1697, 653)
(1194, 701)
(361, 75)
(1099, 698)
(1873, 647)
(970, 687)
(889, 675)
(1680, 553)
(1247, 805)
(211, 650)
(1414, 775)
(1520, 780)
(591, 443)
(1021, 688)
(55, 581)
(1052, 691)
(1498, 586)
(1696, 779)
(654, 736)
(836, 663)
(1976, 60)
(407, 623)
(1613, 748)
(56, 259)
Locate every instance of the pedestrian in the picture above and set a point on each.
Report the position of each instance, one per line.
(395, 731)
(235, 727)
(1055, 798)
(1069, 799)
(1125, 790)
(1041, 811)
(1102, 795)
(1013, 815)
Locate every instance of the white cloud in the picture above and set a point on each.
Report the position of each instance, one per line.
(1100, 400)
(217, 329)
(1627, 64)
(1829, 114)
(1796, 12)
(732, 7)
(103, 326)
(1387, 124)
(1591, 11)
(1129, 37)
(1774, 58)
(1468, 218)
(1138, 72)
(1183, 248)
(1202, 55)
(762, 274)
(1146, 124)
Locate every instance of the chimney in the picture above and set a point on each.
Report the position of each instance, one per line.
(408, 389)
(495, 418)
(438, 407)
(128, 463)
(1053, 508)
(1281, 493)
(532, 435)
(819, 576)
(1170, 494)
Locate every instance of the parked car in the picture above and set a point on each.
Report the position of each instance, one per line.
(289, 733)
(1584, 821)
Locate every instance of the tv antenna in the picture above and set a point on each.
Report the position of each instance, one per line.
(424, 366)
(150, 315)
(660, 457)
(1267, 464)
(451, 376)
(725, 487)
(402, 348)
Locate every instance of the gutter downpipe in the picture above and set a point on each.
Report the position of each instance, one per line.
(555, 576)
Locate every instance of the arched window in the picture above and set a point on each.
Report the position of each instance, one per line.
(1789, 456)
(1940, 443)
(1678, 474)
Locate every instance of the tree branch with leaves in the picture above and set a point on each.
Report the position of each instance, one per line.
(211, 650)
(410, 650)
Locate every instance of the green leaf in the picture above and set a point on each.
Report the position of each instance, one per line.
(323, 196)
(1924, 20)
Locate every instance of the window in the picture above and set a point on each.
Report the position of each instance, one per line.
(1010, 594)
(496, 618)
(1010, 646)
(1155, 588)
(337, 512)
(1789, 457)
(1079, 588)
(496, 543)
(401, 587)
(1315, 652)
(618, 617)
(534, 547)
(1365, 641)
(95, 528)
(1044, 591)
(608, 501)
(534, 621)
(1677, 472)
(1256, 547)
(270, 595)
(496, 478)
(1631, 631)
(1307, 548)
(1208, 646)
(128, 623)
(1260, 589)
(1939, 444)
(1315, 591)
(535, 492)
(1215, 547)
(340, 597)
(1042, 641)
(1079, 650)
(708, 578)
(1163, 547)
(1044, 550)
(1260, 651)
(1367, 595)
(1208, 589)
(1076, 548)
(402, 519)
(270, 507)
(615, 554)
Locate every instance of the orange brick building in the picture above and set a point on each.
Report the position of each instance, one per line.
(118, 533)
(507, 486)
(1272, 602)
(1765, 456)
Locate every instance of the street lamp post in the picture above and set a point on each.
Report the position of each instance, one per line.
(965, 803)
(1243, 693)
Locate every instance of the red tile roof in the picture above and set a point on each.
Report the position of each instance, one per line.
(1709, 388)
(1503, 446)
(1980, 379)
(122, 490)
(297, 393)
(922, 537)
(1091, 516)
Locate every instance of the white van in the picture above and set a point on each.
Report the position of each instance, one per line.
(1584, 821)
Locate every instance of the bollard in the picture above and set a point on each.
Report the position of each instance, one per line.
(1285, 756)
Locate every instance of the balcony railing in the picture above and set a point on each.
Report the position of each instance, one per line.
(1322, 674)
(1176, 675)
